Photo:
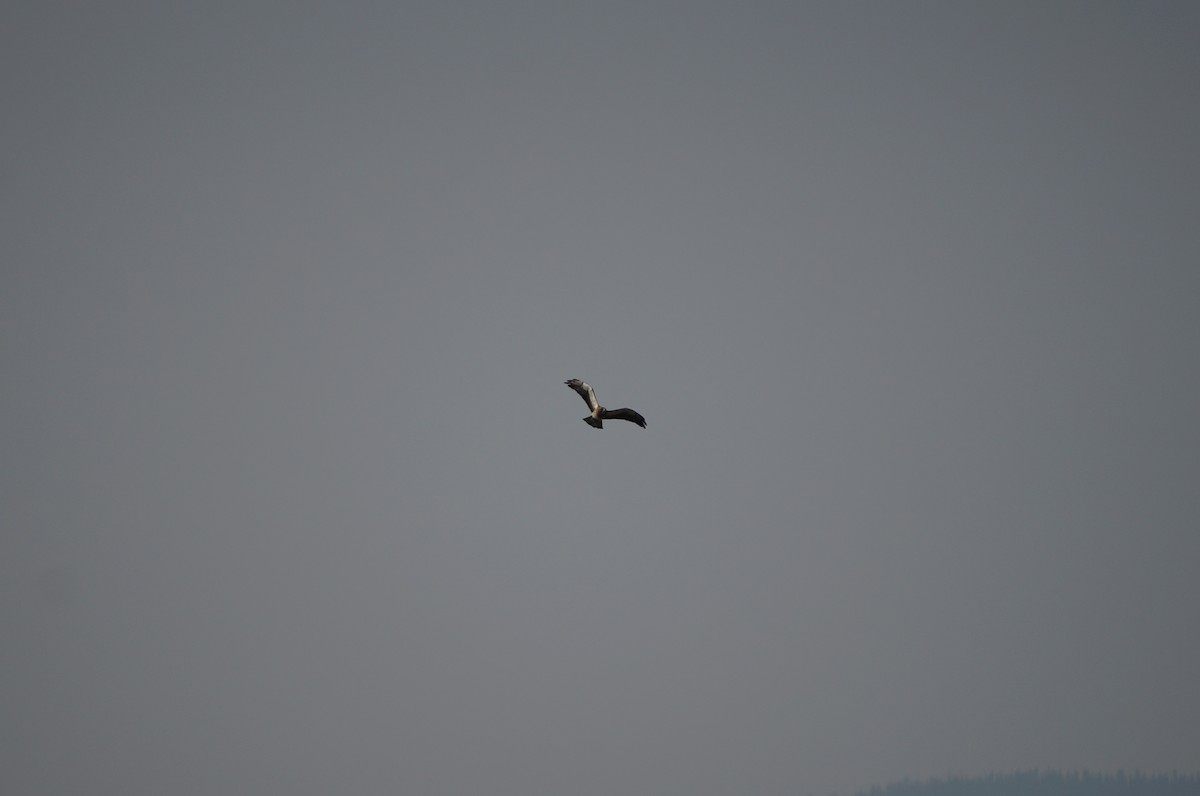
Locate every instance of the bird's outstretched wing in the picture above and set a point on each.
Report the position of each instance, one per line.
(585, 391)
(624, 413)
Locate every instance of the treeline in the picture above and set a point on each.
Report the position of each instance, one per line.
(1048, 783)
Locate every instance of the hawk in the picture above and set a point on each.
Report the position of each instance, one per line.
(599, 413)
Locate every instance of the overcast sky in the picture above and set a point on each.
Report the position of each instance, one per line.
(294, 498)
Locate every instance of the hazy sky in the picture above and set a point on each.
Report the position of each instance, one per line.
(294, 498)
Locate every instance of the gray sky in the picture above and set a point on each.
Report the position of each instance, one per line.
(294, 499)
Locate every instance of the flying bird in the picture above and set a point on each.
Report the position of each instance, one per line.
(599, 413)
